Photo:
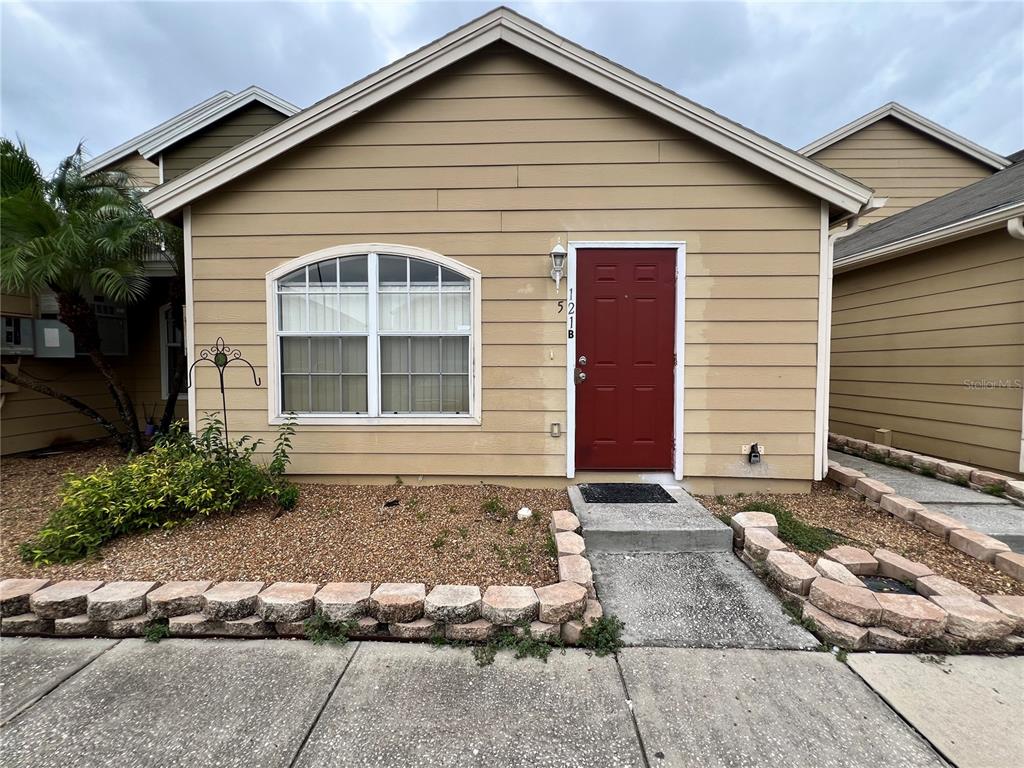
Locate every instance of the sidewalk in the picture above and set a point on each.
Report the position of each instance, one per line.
(288, 703)
(993, 515)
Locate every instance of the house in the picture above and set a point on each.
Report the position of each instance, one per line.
(141, 339)
(928, 298)
(505, 256)
(904, 157)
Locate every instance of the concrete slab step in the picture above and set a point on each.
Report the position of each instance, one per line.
(685, 526)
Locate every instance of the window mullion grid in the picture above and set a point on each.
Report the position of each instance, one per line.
(373, 368)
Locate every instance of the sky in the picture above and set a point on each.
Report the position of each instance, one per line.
(104, 72)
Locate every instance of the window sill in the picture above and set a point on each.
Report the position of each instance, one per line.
(379, 421)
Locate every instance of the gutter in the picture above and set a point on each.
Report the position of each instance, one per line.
(826, 356)
(1016, 228)
(957, 230)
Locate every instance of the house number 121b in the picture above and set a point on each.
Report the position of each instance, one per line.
(570, 317)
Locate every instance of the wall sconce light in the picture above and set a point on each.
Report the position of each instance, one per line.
(558, 257)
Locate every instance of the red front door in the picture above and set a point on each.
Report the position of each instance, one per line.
(625, 344)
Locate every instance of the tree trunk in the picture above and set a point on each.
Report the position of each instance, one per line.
(78, 405)
(76, 313)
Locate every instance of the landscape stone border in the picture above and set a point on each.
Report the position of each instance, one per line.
(954, 532)
(834, 603)
(556, 613)
(949, 471)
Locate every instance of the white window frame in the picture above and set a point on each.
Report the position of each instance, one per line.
(165, 360)
(276, 416)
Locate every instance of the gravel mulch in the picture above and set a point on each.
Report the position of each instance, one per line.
(871, 528)
(435, 534)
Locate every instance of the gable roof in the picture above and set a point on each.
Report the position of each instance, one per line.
(985, 205)
(151, 142)
(532, 38)
(916, 121)
(184, 128)
(132, 145)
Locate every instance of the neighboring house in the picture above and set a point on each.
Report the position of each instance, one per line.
(928, 302)
(140, 338)
(385, 260)
(906, 158)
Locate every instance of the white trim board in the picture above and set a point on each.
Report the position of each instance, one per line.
(133, 144)
(190, 315)
(198, 121)
(824, 349)
(678, 409)
(919, 123)
(506, 25)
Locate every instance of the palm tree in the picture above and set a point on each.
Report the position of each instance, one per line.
(75, 233)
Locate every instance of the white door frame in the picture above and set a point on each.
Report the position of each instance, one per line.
(679, 344)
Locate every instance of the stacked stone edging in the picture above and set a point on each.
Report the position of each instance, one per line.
(943, 615)
(954, 532)
(407, 611)
(950, 471)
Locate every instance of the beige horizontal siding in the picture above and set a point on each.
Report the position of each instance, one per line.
(902, 164)
(909, 335)
(489, 164)
(30, 421)
(143, 172)
(226, 133)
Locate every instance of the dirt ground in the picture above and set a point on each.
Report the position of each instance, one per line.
(871, 528)
(434, 534)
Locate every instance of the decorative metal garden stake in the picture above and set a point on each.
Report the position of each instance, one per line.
(220, 354)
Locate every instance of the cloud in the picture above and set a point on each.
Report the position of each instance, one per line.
(107, 71)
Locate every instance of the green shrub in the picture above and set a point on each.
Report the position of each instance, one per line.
(286, 495)
(183, 476)
(805, 537)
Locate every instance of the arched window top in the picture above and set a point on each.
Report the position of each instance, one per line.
(363, 249)
(374, 331)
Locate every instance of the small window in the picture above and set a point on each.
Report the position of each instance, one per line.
(374, 335)
(172, 339)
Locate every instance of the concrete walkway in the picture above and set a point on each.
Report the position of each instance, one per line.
(668, 571)
(969, 707)
(279, 704)
(994, 515)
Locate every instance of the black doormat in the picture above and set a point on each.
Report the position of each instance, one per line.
(625, 493)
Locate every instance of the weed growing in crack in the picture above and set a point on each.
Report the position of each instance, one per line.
(603, 636)
(320, 629)
(157, 630)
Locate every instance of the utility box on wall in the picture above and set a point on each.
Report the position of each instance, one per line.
(53, 339)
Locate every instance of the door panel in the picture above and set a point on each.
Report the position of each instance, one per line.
(625, 320)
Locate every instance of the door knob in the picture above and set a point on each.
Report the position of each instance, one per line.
(581, 376)
(583, 360)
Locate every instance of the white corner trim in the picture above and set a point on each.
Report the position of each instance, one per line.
(133, 144)
(504, 24)
(473, 418)
(190, 318)
(678, 394)
(161, 167)
(821, 390)
(958, 230)
(916, 121)
(185, 128)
